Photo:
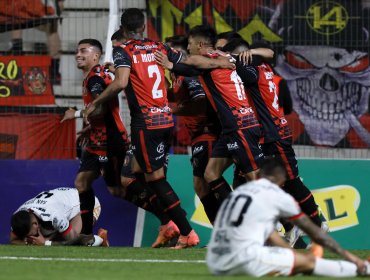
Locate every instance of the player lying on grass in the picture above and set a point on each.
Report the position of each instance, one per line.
(52, 218)
(246, 221)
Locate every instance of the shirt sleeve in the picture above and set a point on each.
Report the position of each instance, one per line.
(289, 208)
(96, 85)
(248, 73)
(173, 55)
(194, 87)
(121, 58)
(60, 223)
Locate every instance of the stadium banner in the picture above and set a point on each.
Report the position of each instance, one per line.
(24, 179)
(24, 80)
(36, 133)
(340, 187)
(321, 50)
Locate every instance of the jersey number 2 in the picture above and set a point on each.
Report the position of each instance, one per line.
(154, 70)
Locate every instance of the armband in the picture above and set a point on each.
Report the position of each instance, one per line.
(47, 243)
(78, 114)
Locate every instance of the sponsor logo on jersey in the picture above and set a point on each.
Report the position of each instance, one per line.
(103, 159)
(146, 47)
(165, 109)
(269, 75)
(232, 146)
(198, 149)
(245, 111)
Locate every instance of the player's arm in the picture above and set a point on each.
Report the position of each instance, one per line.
(247, 56)
(202, 62)
(122, 63)
(14, 240)
(322, 238)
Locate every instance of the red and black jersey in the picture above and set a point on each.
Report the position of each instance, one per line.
(146, 91)
(260, 84)
(107, 131)
(226, 93)
(201, 127)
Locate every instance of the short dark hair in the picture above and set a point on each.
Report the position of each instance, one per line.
(272, 166)
(132, 19)
(205, 31)
(235, 43)
(178, 41)
(229, 35)
(92, 42)
(118, 35)
(21, 223)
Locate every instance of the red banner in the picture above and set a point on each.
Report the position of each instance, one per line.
(36, 136)
(24, 80)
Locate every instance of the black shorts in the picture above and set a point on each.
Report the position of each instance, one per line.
(107, 166)
(284, 151)
(242, 146)
(150, 147)
(201, 152)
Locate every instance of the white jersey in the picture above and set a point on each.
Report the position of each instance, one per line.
(245, 220)
(56, 206)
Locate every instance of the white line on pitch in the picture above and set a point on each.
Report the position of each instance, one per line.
(98, 260)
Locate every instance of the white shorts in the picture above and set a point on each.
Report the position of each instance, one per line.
(271, 261)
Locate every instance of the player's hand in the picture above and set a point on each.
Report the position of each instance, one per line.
(246, 57)
(226, 62)
(36, 240)
(69, 115)
(162, 60)
(110, 67)
(361, 267)
(89, 110)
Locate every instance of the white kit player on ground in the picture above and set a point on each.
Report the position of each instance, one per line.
(53, 218)
(245, 225)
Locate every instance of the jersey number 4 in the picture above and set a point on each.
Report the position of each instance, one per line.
(153, 70)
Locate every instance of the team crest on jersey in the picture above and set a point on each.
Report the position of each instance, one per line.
(160, 148)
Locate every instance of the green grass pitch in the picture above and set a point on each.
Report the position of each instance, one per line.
(90, 263)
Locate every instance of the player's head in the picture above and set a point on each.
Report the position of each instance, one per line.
(24, 224)
(118, 37)
(223, 38)
(201, 38)
(274, 170)
(236, 46)
(177, 42)
(88, 53)
(133, 22)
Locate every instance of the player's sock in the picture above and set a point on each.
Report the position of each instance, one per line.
(220, 188)
(304, 197)
(211, 205)
(146, 199)
(87, 200)
(171, 204)
(332, 268)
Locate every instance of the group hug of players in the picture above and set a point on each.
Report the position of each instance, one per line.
(230, 104)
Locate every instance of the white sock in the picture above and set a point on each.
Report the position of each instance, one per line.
(333, 268)
(97, 241)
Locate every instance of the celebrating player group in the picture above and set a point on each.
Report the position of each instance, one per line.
(228, 96)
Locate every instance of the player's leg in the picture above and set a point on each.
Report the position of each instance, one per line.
(89, 171)
(201, 152)
(294, 185)
(150, 152)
